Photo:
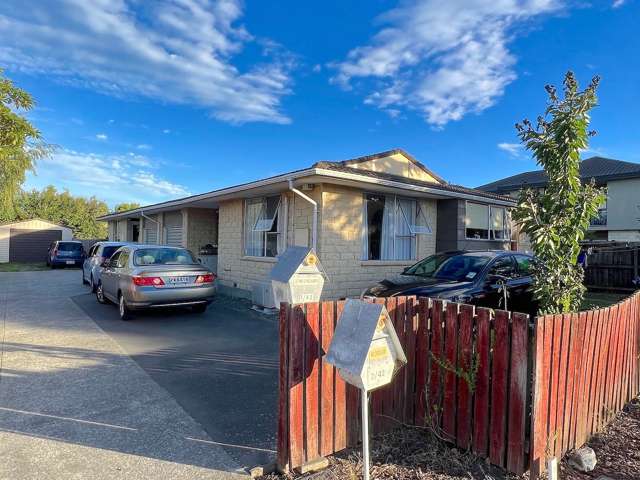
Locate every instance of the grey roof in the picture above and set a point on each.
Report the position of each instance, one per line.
(445, 187)
(288, 263)
(600, 169)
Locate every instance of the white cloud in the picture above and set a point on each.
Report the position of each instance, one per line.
(166, 130)
(102, 136)
(113, 178)
(515, 150)
(177, 51)
(618, 3)
(143, 146)
(443, 58)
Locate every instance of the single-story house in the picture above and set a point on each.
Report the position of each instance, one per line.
(29, 240)
(367, 218)
(618, 218)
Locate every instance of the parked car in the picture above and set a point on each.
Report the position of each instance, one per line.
(65, 253)
(152, 276)
(469, 277)
(92, 266)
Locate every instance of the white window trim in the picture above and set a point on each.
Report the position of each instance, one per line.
(414, 228)
(260, 229)
(507, 227)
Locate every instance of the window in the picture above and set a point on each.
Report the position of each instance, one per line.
(392, 224)
(485, 222)
(115, 259)
(163, 256)
(504, 267)
(123, 259)
(524, 265)
(261, 227)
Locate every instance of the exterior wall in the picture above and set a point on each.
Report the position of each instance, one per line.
(396, 164)
(121, 230)
(623, 205)
(112, 230)
(235, 271)
(623, 235)
(341, 229)
(201, 228)
(5, 232)
(452, 230)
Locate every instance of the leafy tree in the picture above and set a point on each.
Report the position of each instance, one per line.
(77, 213)
(20, 144)
(122, 207)
(557, 218)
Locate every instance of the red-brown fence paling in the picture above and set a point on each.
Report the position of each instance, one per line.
(586, 367)
(466, 378)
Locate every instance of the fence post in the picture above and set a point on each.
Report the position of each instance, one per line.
(538, 430)
(283, 391)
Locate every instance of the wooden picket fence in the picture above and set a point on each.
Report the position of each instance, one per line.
(586, 367)
(482, 407)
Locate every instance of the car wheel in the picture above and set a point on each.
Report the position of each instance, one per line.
(201, 308)
(125, 313)
(100, 294)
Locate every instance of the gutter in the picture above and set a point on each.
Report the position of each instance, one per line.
(314, 231)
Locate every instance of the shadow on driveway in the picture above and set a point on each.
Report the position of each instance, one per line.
(220, 366)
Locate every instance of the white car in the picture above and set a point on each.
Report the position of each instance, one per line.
(92, 266)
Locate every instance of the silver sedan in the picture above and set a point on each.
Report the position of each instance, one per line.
(152, 276)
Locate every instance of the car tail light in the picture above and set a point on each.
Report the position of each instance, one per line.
(206, 278)
(148, 281)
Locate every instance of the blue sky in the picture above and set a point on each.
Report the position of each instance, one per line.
(154, 100)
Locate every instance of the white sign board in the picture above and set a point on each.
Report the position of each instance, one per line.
(365, 348)
(297, 277)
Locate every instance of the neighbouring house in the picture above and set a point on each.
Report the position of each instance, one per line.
(368, 217)
(618, 218)
(29, 240)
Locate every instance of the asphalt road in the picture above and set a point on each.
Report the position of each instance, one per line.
(220, 366)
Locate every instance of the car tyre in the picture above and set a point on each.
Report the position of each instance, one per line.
(201, 308)
(125, 313)
(100, 294)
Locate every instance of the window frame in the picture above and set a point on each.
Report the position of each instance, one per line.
(266, 234)
(491, 237)
(398, 212)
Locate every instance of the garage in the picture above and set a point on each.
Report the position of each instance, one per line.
(29, 240)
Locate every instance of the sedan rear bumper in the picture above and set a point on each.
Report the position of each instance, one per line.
(150, 297)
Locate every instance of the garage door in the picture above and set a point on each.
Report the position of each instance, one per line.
(31, 245)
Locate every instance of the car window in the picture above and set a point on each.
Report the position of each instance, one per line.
(163, 256)
(123, 259)
(109, 250)
(426, 267)
(524, 265)
(114, 259)
(503, 266)
(69, 247)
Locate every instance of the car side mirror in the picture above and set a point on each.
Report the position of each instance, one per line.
(494, 278)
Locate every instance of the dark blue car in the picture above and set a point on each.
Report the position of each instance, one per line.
(65, 254)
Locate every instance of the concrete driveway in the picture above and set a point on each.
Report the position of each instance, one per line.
(166, 395)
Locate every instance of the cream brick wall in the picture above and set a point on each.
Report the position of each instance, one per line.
(340, 226)
(234, 270)
(201, 228)
(341, 243)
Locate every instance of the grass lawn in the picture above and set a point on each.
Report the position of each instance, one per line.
(22, 267)
(601, 299)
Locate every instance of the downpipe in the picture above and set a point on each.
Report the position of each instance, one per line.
(314, 228)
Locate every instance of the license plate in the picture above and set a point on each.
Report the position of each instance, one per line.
(70, 262)
(176, 280)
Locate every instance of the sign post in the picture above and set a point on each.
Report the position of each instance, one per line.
(367, 353)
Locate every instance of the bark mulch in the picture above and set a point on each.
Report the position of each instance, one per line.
(407, 454)
(417, 454)
(617, 449)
